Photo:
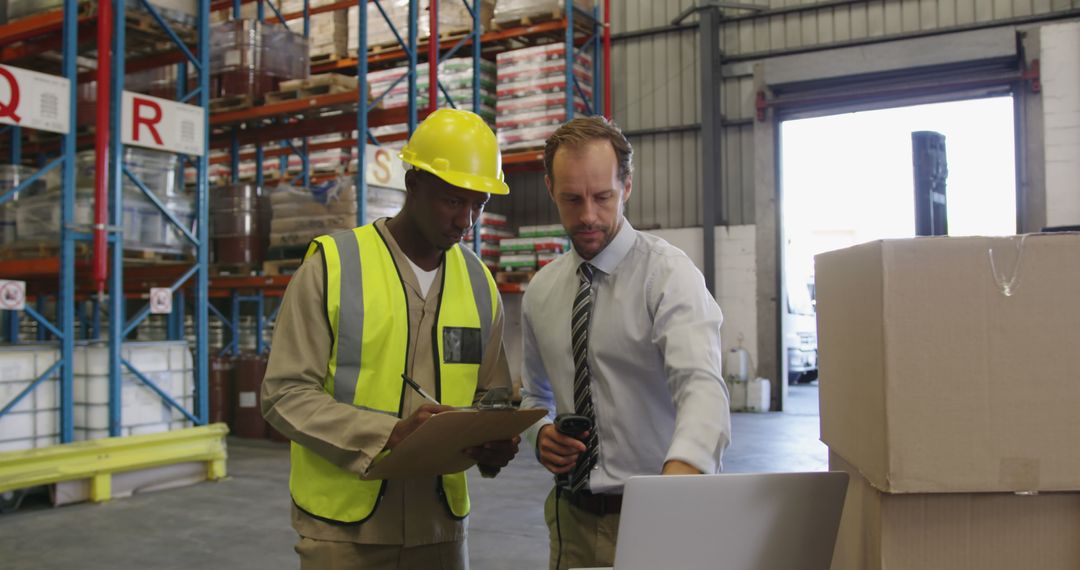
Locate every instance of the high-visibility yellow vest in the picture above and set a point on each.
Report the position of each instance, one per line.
(367, 308)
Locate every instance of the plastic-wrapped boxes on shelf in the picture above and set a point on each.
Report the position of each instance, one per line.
(235, 62)
(10, 177)
(144, 226)
(250, 59)
(532, 92)
(35, 421)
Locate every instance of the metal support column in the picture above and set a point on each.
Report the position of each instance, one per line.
(202, 209)
(116, 256)
(568, 8)
(67, 239)
(477, 227)
(412, 66)
(709, 35)
(709, 55)
(16, 144)
(361, 117)
(305, 157)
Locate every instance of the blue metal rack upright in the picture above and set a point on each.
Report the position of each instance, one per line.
(119, 328)
(64, 328)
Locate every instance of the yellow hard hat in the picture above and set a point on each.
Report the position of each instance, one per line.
(459, 147)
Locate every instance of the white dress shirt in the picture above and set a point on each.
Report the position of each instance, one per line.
(654, 356)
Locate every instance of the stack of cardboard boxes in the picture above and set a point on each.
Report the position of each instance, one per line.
(949, 394)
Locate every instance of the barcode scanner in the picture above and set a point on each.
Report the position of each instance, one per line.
(572, 425)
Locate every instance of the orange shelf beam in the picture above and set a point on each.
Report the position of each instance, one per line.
(312, 10)
(278, 151)
(314, 127)
(284, 108)
(34, 25)
(137, 279)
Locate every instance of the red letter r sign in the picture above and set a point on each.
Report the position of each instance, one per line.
(150, 118)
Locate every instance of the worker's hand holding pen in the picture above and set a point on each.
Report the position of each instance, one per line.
(408, 425)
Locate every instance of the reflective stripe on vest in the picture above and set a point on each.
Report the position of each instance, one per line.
(367, 308)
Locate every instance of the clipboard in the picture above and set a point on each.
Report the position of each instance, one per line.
(435, 448)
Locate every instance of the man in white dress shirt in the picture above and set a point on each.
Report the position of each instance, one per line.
(623, 331)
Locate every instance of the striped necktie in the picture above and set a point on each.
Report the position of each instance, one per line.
(583, 403)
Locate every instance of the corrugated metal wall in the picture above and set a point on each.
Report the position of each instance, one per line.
(655, 85)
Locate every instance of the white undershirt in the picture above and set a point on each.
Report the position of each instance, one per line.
(426, 278)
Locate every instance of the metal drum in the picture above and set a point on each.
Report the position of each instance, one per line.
(221, 390)
(239, 224)
(247, 416)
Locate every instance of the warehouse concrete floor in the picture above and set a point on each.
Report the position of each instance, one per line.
(242, 522)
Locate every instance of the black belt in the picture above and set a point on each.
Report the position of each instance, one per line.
(599, 505)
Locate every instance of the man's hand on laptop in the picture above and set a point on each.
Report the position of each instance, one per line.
(676, 467)
(558, 452)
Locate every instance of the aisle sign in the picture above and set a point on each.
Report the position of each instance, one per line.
(34, 100)
(161, 124)
(382, 167)
(12, 295)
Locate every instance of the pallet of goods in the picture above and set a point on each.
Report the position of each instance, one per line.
(532, 91)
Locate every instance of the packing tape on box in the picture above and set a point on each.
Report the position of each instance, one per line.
(1007, 283)
(1020, 473)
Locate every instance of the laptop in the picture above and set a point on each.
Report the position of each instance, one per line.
(767, 521)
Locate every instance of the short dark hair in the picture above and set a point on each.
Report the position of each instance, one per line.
(579, 131)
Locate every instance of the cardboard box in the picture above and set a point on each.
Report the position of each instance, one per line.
(984, 531)
(933, 379)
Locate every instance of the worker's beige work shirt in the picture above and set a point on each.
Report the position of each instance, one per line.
(410, 512)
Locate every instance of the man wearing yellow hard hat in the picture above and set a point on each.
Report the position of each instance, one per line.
(369, 308)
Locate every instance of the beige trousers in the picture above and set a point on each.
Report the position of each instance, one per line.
(327, 555)
(588, 540)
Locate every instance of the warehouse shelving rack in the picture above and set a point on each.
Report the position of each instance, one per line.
(265, 125)
(579, 30)
(63, 29)
(286, 121)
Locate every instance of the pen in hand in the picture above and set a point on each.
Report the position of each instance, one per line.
(418, 389)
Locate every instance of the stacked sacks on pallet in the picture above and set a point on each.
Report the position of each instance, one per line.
(454, 21)
(515, 11)
(532, 93)
(302, 214)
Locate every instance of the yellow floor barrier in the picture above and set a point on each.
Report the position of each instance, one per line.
(97, 460)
